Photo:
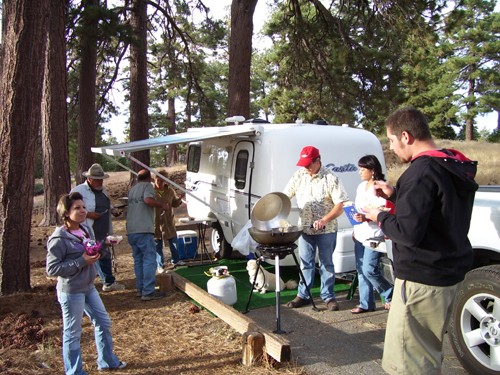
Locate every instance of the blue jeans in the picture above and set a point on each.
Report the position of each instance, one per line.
(325, 243)
(370, 276)
(144, 254)
(73, 305)
(105, 268)
(172, 244)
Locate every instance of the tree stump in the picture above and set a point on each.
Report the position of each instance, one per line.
(253, 347)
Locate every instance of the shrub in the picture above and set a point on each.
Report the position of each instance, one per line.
(38, 188)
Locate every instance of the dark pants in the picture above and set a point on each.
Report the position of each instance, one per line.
(105, 268)
(172, 244)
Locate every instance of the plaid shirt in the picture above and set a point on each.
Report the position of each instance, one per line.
(316, 195)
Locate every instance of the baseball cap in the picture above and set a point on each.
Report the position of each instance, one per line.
(307, 155)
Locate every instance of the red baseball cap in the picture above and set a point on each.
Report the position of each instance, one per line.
(307, 155)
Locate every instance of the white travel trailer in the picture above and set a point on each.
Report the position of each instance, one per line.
(229, 168)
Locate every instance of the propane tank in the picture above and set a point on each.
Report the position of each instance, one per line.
(222, 285)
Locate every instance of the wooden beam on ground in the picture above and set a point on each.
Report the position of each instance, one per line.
(276, 346)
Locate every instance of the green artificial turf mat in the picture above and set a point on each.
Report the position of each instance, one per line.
(237, 268)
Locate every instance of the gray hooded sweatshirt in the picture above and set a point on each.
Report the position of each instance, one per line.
(65, 260)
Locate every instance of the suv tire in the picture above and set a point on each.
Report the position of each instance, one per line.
(474, 328)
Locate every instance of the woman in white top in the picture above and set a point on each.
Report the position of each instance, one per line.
(367, 260)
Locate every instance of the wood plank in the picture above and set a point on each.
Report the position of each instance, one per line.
(276, 346)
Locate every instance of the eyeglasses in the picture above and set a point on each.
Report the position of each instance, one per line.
(314, 161)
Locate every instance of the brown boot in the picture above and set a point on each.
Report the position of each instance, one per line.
(298, 302)
(332, 305)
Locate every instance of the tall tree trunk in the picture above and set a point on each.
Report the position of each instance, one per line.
(56, 178)
(240, 57)
(469, 122)
(87, 126)
(138, 80)
(172, 158)
(21, 83)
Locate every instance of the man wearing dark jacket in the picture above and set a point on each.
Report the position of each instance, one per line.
(431, 251)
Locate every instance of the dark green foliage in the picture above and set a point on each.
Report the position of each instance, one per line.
(38, 189)
(494, 137)
(348, 62)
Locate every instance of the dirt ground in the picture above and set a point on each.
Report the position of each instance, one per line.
(167, 336)
(173, 336)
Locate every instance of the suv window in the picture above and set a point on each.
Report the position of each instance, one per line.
(194, 156)
(240, 170)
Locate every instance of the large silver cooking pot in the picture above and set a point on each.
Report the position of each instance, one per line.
(276, 236)
(270, 211)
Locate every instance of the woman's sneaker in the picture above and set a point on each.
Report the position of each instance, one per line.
(114, 286)
(122, 365)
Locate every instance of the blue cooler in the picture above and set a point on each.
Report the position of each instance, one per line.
(187, 244)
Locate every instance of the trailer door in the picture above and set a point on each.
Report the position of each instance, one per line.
(240, 187)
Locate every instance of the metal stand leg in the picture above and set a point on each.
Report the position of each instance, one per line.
(304, 281)
(202, 230)
(113, 259)
(278, 291)
(253, 284)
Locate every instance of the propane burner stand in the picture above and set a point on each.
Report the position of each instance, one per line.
(278, 252)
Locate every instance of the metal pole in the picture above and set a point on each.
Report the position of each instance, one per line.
(177, 186)
(277, 273)
(117, 162)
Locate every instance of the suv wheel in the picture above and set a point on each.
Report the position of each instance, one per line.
(475, 323)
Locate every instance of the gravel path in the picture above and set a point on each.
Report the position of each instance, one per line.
(338, 342)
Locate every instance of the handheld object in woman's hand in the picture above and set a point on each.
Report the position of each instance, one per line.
(114, 240)
(92, 247)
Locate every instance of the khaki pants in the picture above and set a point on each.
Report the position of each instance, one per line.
(417, 322)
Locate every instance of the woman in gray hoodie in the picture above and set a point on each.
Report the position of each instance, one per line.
(71, 257)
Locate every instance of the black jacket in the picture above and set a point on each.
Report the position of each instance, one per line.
(434, 199)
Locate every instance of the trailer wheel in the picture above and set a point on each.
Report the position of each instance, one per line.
(220, 246)
(474, 329)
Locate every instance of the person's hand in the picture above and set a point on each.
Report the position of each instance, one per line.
(91, 259)
(165, 206)
(359, 217)
(94, 215)
(319, 224)
(383, 189)
(372, 213)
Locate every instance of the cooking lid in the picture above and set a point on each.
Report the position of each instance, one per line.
(271, 211)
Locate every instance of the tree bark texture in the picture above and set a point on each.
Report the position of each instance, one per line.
(469, 122)
(55, 154)
(173, 156)
(21, 87)
(87, 126)
(139, 128)
(240, 57)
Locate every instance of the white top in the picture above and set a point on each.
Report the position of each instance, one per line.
(364, 197)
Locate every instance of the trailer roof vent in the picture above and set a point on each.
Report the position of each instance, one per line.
(256, 121)
(320, 122)
(236, 119)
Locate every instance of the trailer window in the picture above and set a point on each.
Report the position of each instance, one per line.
(194, 156)
(240, 170)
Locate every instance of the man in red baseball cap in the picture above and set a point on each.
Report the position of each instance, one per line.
(307, 156)
(320, 195)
